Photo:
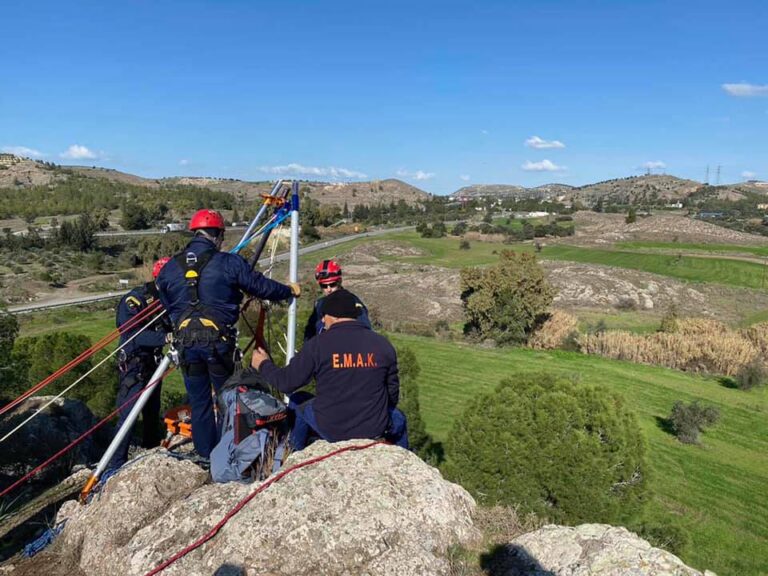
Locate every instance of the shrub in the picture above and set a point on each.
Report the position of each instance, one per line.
(689, 420)
(669, 536)
(554, 331)
(626, 303)
(507, 301)
(464, 244)
(631, 216)
(567, 452)
(752, 375)
(421, 442)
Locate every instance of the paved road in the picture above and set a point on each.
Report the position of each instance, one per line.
(62, 302)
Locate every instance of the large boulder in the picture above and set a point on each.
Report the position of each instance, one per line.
(380, 510)
(586, 550)
(48, 432)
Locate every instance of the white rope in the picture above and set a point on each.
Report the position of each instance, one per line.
(76, 382)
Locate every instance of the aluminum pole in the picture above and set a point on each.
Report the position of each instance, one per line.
(260, 213)
(293, 271)
(127, 425)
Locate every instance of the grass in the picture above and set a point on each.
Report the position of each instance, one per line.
(677, 247)
(631, 321)
(716, 490)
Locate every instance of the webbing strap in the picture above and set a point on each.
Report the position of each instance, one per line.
(193, 266)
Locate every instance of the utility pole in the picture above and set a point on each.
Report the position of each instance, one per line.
(717, 180)
(706, 178)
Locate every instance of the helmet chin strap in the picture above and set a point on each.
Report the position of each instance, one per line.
(217, 240)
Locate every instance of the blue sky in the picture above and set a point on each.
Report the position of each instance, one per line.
(437, 93)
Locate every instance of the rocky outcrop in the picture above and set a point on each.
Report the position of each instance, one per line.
(375, 511)
(587, 550)
(47, 433)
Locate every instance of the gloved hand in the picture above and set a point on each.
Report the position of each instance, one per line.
(295, 289)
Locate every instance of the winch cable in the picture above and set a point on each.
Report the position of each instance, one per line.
(82, 437)
(76, 382)
(100, 345)
(240, 505)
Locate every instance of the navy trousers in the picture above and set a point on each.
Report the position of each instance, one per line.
(205, 369)
(305, 424)
(131, 381)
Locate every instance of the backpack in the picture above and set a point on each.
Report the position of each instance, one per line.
(253, 421)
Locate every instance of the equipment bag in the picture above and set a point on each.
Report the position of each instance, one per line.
(252, 421)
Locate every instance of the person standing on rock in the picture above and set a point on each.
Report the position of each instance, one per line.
(202, 289)
(328, 276)
(357, 380)
(137, 361)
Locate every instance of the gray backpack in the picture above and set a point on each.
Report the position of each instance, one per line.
(254, 422)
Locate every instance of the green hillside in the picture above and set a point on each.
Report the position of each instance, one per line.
(716, 490)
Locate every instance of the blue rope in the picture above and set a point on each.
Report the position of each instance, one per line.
(279, 217)
(41, 542)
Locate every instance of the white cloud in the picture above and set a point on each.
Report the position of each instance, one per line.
(654, 165)
(417, 175)
(543, 166)
(465, 177)
(78, 152)
(183, 162)
(295, 169)
(748, 174)
(745, 90)
(23, 151)
(540, 143)
(484, 132)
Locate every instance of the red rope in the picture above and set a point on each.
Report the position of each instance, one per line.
(240, 505)
(80, 438)
(101, 344)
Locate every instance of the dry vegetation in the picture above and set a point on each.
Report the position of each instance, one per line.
(553, 333)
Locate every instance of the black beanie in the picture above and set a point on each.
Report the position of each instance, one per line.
(341, 304)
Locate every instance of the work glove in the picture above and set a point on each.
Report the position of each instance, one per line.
(295, 289)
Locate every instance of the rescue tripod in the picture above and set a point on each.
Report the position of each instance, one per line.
(171, 358)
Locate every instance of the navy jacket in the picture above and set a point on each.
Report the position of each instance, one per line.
(357, 381)
(150, 339)
(221, 285)
(315, 323)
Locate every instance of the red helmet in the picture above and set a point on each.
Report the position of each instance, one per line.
(159, 266)
(206, 219)
(328, 272)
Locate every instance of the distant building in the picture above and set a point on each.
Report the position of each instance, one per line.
(762, 206)
(710, 215)
(8, 159)
(676, 205)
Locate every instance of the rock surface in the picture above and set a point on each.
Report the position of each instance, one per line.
(375, 511)
(587, 550)
(44, 435)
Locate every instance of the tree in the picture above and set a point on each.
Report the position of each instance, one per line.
(459, 229)
(12, 371)
(571, 453)
(631, 215)
(421, 442)
(135, 217)
(507, 301)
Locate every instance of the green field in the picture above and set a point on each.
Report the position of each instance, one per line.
(710, 248)
(716, 490)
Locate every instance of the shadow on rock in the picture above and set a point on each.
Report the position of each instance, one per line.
(512, 560)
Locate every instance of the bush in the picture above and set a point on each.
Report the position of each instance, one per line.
(752, 375)
(668, 535)
(567, 452)
(626, 303)
(421, 442)
(464, 244)
(554, 331)
(505, 302)
(689, 420)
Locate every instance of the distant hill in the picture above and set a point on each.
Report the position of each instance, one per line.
(634, 189)
(18, 172)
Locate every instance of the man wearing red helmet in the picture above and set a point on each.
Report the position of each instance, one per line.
(137, 361)
(202, 288)
(328, 276)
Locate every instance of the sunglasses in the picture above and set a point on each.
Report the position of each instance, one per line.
(328, 286)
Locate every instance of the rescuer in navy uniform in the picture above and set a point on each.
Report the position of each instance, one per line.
(137, 361)
(328, 276)
(202, 289)
(357, 380)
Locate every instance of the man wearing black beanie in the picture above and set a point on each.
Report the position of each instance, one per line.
(357, 380)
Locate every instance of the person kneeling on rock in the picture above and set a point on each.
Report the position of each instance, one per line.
(357, 380)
